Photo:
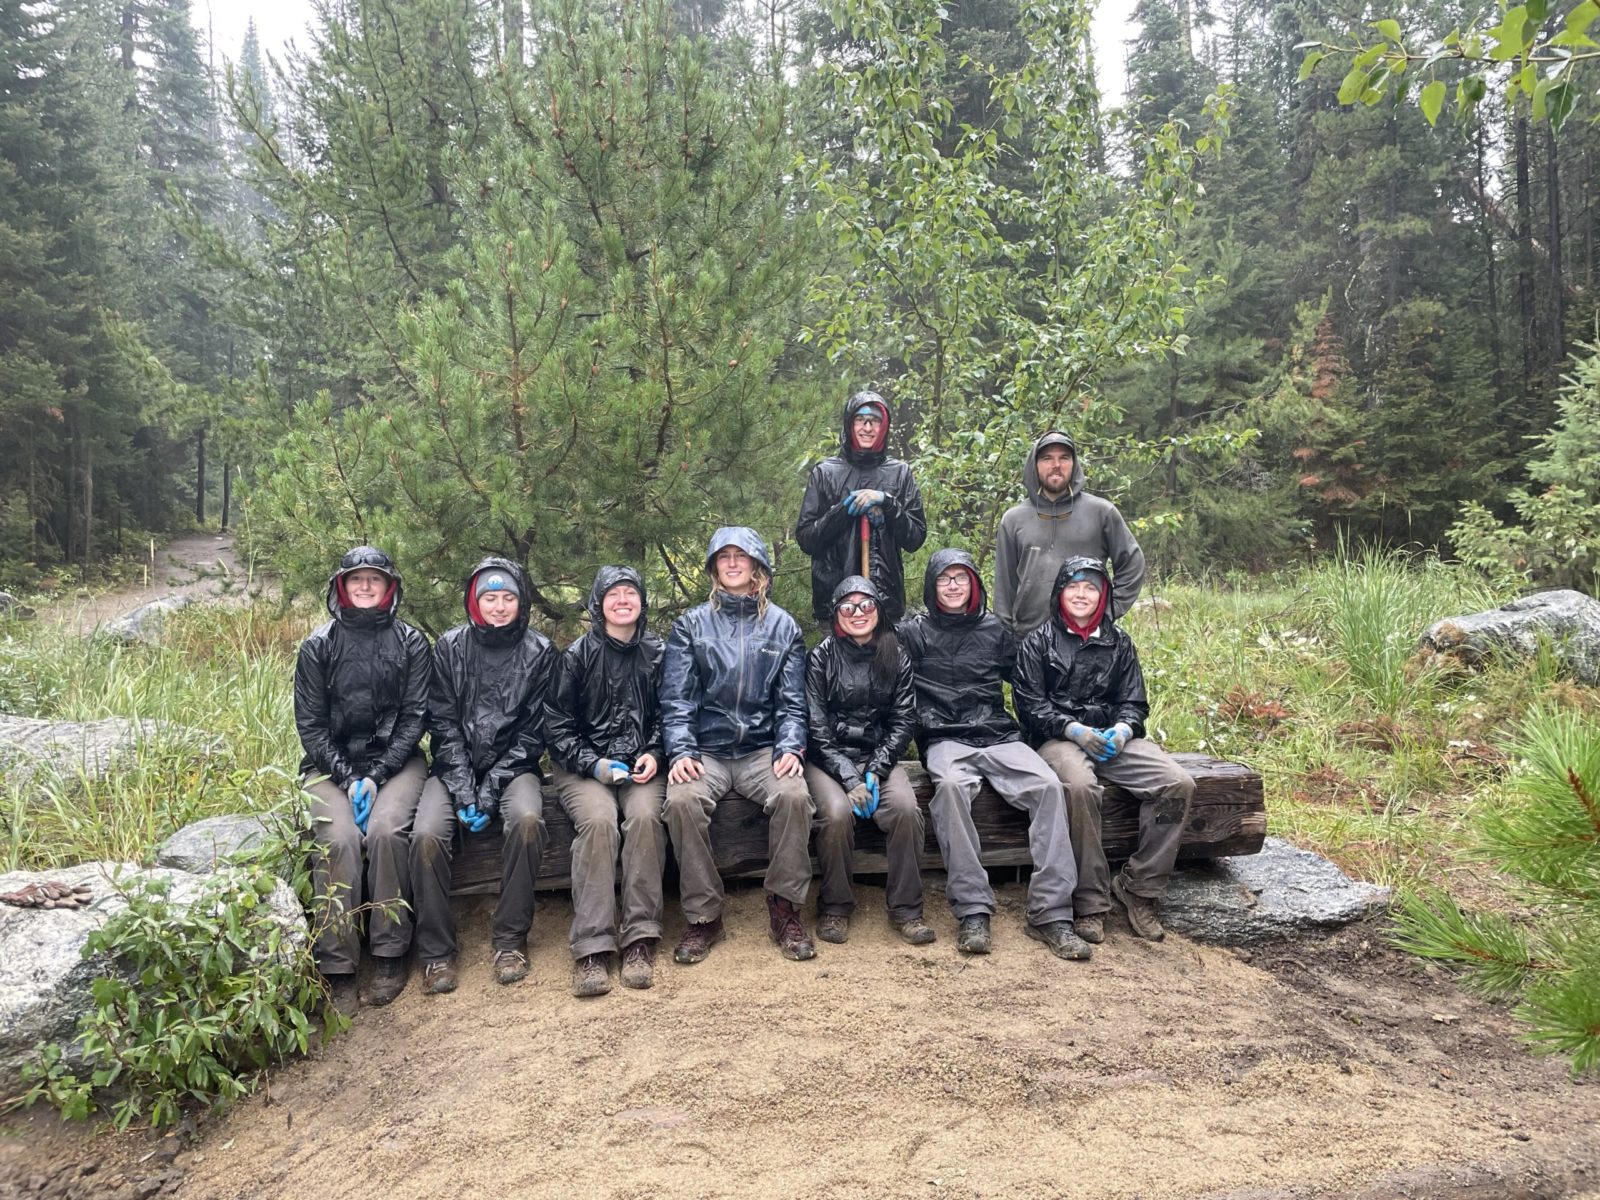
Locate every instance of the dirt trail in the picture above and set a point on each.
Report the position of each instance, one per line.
(1327, 1069)
(202, 565)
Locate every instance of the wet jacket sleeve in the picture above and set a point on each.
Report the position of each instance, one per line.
(527, 748)
(412, 719)
(1004, 596)
(903, 511)
(789, 700)
(1008, 656)
(680, 696)
(902, 724)
(1131, 704)
(1030, 692)
(652, 733)
(1127, 563)
(567, 747)
(311, 715)
(823, 747)
(452, 761)
(823, 520)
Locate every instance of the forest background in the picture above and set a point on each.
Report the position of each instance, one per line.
(579, 282)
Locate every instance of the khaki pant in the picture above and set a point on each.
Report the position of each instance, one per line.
(1163, 791)
(522, 815)
(337, 877)
(899, 816)
(594, 808)
(688, 811)
(1023, 781)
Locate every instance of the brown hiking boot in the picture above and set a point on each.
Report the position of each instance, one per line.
(1091, 928)
(639, 964)
(591, 975)
(697, 941)
(439, 976)
(389, 977)
(788, 930)
(1061, 938)
(510, 966)
(973, 936)
(915, 932)
(1141, 911)
(342, 993)
(834, 927)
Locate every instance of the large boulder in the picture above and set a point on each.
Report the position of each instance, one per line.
(200, 846)
(44, 978)
(145, 623)
(1567, 621)
(87, 749)
(1281, 892)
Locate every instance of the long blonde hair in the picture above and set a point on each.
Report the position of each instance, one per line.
(763, 587)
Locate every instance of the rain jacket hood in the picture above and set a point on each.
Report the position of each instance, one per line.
(941, 562)
(742, 537)
(855, 583)
(847, 443)
(363, 558)
(492, 635)
(1030, 473)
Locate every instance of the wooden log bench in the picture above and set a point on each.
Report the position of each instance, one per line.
(1229, 816)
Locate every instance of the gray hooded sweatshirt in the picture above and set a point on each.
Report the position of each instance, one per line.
(1037, 536)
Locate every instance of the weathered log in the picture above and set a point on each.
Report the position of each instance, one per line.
(1228, 817)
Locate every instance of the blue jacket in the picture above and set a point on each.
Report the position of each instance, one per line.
(733, 682)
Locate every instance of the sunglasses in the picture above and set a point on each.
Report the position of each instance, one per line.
(859, 608)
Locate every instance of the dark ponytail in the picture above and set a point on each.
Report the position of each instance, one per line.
(886, 662)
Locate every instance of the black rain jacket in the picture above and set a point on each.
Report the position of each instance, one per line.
(604, 703)
(361, 685)
(832, 537)
(733, 681)
(960, 660)
(855, 726)
(1061, 678)
(486, 699)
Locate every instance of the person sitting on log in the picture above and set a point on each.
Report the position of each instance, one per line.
(733, 716)
(486, 724)
(860, 715)
(1080, 692)
(360, 701)
(960, 655)
(603, 723)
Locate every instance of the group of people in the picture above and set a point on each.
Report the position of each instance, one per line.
(646, 737)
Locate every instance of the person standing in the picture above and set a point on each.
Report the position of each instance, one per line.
(860, 715)
(603, 723)
(960, 655)
(1080, 692)
(360, 702)
(733, 719)
(860, 512)
(486, 717)
(1058, 521)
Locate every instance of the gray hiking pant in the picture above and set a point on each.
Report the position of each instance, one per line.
(337, 877)
(688, 810)
(594, 808)
(522, 815)
(1022, 780)
(1163, 791)
(899, 816)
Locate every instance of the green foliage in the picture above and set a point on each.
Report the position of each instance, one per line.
(209, 991)
(1546, 839)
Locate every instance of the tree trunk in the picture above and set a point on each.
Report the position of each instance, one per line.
(200, 475)
(1525, 311)
(227, 493)
(1491, 279)
(88, 506)
(1558, 294)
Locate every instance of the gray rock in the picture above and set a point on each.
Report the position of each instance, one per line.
(1568, 621)
(44, 978)
(145, 623)
(86, 749)
(1280, 892)
(200, 846)
(10, 606)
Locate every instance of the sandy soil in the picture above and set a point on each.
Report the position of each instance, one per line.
(1333, 1068)
(202, 565)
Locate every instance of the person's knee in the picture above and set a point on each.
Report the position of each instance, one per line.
(791, 797)
(429, 849)
(526, 824)
(596, 825)
(686, 802)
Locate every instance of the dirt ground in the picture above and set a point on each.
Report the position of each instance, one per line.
(1333, 1068)
(202, 565)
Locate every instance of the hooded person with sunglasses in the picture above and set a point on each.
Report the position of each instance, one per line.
(860, 714)
(1080, 692)
(486, 721)
(360, 705)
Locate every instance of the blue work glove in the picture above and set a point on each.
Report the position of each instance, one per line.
(862, 499)
(1091, 741)
(859, 798)
(472, 818)
(872, 792)
(362, 793)
(611, 770)
(875, 517)
(1116, 738)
